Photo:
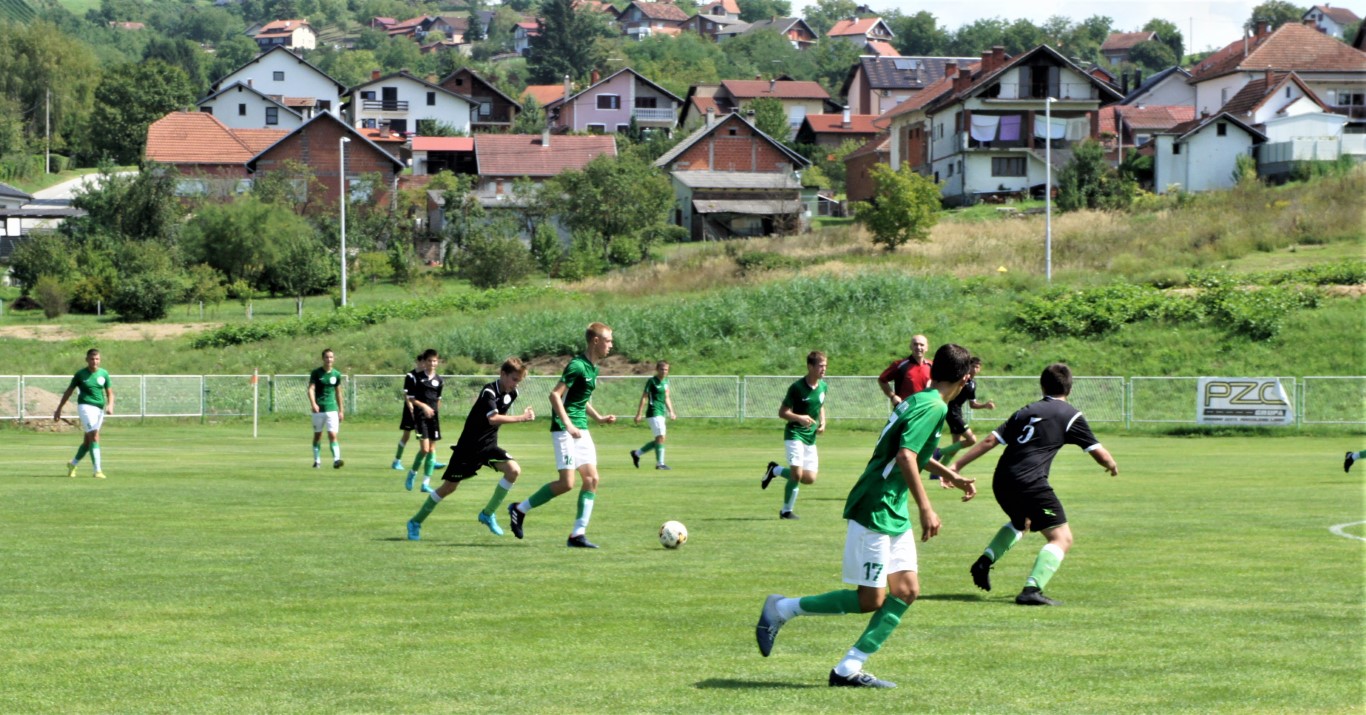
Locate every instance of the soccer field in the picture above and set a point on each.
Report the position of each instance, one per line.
(213, 572)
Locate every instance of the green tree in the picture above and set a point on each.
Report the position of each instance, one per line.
(1152, 56)
(139, 206)
(770, 117)
(1088, 181)
(1087, 36)
(678, 62)
(834, 57)
(1022, 36)
(769, 54)
(149, 281)
(905, 206)
(43, 68)
(620, 199)
(568, 43)
(245, 240)
(129, 99)
(756, 10)
(475, 33)
(208, 24)
(1275, 12)
(233, 52)
(42, 254)
(305, 267)
(179, 53)
(494, 257)
(823, 14)
(978, 36)
(1168, 34)
(531, 120)
(918, 35)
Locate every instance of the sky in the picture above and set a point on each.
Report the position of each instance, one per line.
(1204, 25)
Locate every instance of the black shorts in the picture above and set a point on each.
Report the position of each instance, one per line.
(1035, 503)
(955, 422)
(405, 423)
(427, 427)
(464, 463)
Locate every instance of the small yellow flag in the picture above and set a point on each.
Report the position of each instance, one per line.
(1002, 269)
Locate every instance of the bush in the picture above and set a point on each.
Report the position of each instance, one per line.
(494, 258)
(373, 266)
(1089, 182)
(1092, 312)
(546, 248)
(751, 262)
(403, 261)
(43, 254)
(52, 295)
(146, 296)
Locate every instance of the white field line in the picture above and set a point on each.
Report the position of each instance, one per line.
(1340, 530)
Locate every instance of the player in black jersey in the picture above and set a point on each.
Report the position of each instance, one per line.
(422, 389)
(1033, 436)
(478, 447)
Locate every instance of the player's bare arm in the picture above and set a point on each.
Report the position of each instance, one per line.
(929, 521)
(976, 451)
(786, 413)
(1103, 458)
(949, 478)
(820, 428)
(528, 416)
(313, 398)
(557, 406)
(109, 397)
(597, 417)
(57, 415)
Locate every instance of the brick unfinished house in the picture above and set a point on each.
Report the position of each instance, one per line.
(317, 145)
(732, 180)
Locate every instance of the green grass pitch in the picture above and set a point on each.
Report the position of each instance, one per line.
(216, 573)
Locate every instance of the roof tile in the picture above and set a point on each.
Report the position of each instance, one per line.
(523, 154)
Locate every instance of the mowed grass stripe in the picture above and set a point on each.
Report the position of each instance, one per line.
(216, 573)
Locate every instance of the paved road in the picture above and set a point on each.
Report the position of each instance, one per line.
(58, 196)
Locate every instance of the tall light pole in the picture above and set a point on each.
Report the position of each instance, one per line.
(1047, 189)
(341, 150)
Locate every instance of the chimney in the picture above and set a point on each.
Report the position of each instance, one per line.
(1138, 78)
(758, 77)
(998, 56)
(545, 137)
(1270, 77)
(1124, 83)
(1310, 23)
(950, 69)
(846, 120)
(711, 115)
(772, 84)
(568, 89)
(249, 82)
(986, 61)
(962, 81)
(1263, 27)
(374, 75)
(595, 77)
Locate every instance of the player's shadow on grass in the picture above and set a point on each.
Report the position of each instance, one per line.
(736, 684)
(470, 545)
(739, 518)
(951, 597)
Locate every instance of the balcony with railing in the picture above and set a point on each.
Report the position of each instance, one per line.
(642, 115)
(384, 105)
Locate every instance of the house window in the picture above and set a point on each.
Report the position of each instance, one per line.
(279, 76)
(1223, 96)
(647, 102)
(241, 110)
(1176, 148)
(623, 128)
(460, 81)
(950, 168)
(191, 187)
(609, 101)
(431, 99)
(272, 116)
(324, 105)
(1221, 129)
(398, 126)
(206, 110)
(1008, 166)
(597, 128)
(485, 109)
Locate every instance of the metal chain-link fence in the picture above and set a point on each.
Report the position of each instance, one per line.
(1318, 400)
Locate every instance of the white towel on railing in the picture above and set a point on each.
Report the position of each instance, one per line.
(984, 127)
(1056, 130)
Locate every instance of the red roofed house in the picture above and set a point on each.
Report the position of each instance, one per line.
(1333, 70)
(735, 95)
(494, 110)
(721, 8)
(285, 78)
(832, 130)
(1331, 20)
(432, 155)
(523, 33)
(864, 31)
(1116, 47)
(209, 158)
(317, 145)
(609, 104)
(642, 19)
(413, 27)
(544, 94)
(241, 106)
(983, 129)
(731, 179)
(290, 34)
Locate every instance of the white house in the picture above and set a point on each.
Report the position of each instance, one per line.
(290, 34)
(407, 104)
(290, 80)
(240, 106)
(1168, 88)
(1201, 155)
(1331, 20)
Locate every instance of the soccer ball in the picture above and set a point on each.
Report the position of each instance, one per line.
(673, 534)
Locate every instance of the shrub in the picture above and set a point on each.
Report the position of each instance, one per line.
(494, 258)
(751, 262)
(546, 248)
(1092, 312)
(52, 295)
(374, 266)
(146, 296)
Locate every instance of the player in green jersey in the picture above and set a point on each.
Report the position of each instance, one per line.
(574, 450)
(656, 397)
(879, 546)
(96, 399)
(803, 409)
(324, 396)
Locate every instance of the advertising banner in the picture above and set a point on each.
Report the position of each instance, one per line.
(1243, 401)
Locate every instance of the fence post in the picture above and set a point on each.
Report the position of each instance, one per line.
(203, 398)
(743, 402)
(270, 400)
(1128, 402)
(21, 398)
(142, 390)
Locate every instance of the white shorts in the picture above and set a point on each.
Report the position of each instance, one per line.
(326, 422)
(573, 453)
(870, 556)
(657, 425)
(801, 454)
(92, 417)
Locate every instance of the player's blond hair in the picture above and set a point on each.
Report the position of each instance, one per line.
(596, 330)
(513, 366)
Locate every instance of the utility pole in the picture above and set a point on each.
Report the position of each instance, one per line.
(47, 131)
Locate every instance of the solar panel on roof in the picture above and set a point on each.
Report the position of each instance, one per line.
(903, 64)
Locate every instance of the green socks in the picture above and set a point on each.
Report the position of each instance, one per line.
(790, 492)
(881, 625)
(427, 507)
(542, 495)
(80, 453)
(1001, 542)
(649, 447)
(1049, 559)
(832, 603)
(421, 459)
(398, 456)
(499, 492)
(947, 453)
(428, 464)
(659, 454)
(336, 450)
(585, 513)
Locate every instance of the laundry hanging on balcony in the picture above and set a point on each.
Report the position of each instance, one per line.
(1010, 128)
(984, 127)
(1044, 129)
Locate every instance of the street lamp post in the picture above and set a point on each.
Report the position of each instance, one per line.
(1047, 188)
(341, 150)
